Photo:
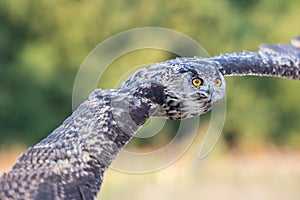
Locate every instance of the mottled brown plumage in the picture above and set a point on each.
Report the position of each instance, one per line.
(71, 161)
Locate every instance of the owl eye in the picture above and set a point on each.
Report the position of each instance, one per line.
(218, 82)
(197, 82)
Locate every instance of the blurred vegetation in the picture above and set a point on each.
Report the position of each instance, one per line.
(44, 42)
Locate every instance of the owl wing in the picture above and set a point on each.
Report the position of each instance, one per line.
(71, 161)
(279, 60)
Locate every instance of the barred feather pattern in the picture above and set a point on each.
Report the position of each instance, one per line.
(279, 60)
(273, 60)
(71, 161)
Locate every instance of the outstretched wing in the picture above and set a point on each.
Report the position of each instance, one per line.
(71, 161)
(280, 60)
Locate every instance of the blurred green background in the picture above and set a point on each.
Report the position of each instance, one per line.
(44, 42)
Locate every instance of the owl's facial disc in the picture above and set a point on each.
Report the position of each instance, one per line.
(196, 86)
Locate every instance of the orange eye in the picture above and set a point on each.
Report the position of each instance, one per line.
(217, 82)
(197, 82)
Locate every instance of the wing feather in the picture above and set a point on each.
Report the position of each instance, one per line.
(280, 60)
(71, 161)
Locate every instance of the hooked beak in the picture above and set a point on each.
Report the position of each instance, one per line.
(205, 93)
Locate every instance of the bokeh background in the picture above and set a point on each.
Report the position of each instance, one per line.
(43, 43)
